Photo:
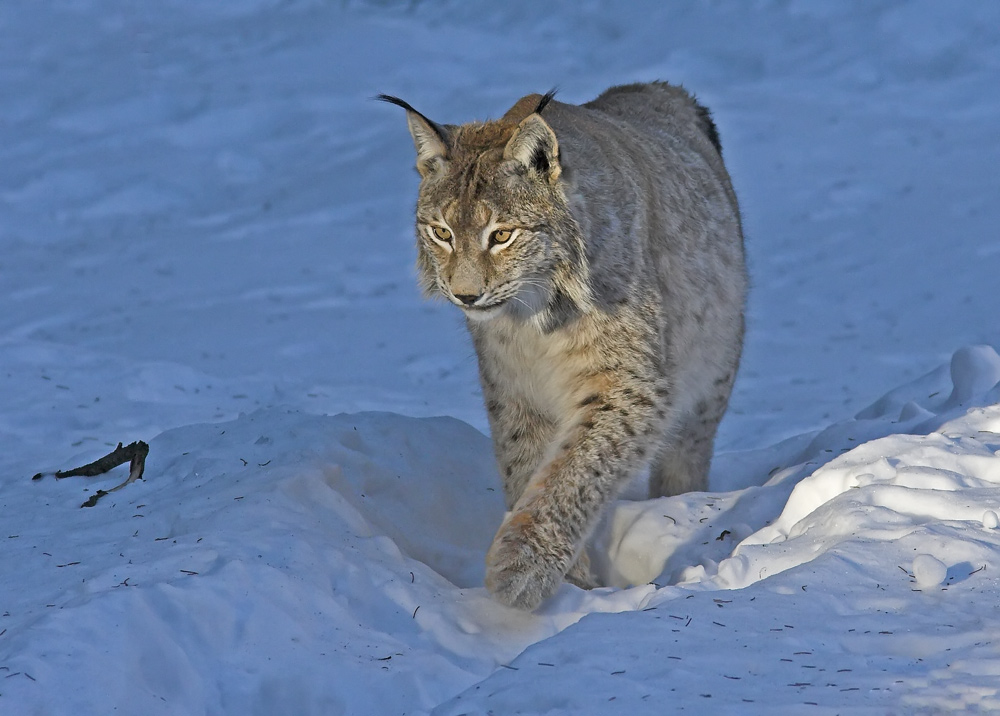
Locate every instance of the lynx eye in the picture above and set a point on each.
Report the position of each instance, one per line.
(500, 236)
(441, 234)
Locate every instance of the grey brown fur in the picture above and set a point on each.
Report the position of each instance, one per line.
(597, 253)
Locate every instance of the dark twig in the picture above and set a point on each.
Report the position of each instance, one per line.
(133, 453)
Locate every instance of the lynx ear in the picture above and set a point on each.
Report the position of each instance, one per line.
(535, 146)
(430, 139)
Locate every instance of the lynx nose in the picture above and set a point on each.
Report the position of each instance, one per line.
(467, 299)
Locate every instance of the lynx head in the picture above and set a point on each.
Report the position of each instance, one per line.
(494, 232)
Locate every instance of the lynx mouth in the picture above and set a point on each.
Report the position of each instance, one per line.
(483, 313)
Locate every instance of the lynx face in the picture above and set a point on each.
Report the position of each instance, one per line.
(478, 248)
(489, 213)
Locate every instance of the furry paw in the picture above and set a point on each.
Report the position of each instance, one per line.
(524, 566)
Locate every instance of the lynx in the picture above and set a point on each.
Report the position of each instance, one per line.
(597, 253)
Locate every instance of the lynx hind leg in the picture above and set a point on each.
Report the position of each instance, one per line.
(682, 464)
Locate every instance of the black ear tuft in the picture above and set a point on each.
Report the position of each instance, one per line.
(546, 98)
(396, 101)
(435, 127)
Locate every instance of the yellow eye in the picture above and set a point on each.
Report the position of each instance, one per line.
(500, 236)
(441, 233)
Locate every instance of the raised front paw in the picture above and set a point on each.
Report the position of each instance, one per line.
(526, 562)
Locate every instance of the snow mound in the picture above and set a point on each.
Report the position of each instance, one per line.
(262, 555)
(929, 571)
(257, 558)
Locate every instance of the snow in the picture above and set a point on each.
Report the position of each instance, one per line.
(206, 244)
(928, 571)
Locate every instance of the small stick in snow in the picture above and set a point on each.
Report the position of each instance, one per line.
(133, 453)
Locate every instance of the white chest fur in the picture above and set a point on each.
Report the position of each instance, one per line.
(529, 365)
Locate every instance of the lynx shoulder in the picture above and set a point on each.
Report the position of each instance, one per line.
(597, 254)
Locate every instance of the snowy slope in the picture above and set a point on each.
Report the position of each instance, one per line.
(291, 563)
(206, 244)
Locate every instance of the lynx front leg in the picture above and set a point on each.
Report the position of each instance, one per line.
(546, 531)
(520, 438)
